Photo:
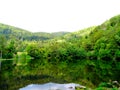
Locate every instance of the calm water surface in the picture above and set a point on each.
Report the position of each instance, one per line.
(52, 86)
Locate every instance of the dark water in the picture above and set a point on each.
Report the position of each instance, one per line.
(34, 73)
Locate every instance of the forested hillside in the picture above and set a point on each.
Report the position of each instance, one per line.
(90, 57)
(11, 32)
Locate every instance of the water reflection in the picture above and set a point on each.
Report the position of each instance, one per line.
(52, 86)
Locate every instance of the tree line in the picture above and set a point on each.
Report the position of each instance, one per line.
(93, 56)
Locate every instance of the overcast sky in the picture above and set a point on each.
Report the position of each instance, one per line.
(57, 15)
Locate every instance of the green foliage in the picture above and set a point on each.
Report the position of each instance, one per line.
(106, 86)
(2, 45)
(11, 32)
(22, 58)
(89, 56)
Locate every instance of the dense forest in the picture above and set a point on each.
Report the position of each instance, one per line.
(11, 32)
(90, 57)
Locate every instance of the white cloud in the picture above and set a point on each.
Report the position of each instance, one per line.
(56, 15)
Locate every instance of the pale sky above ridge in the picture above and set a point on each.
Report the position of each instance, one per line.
(57, 15)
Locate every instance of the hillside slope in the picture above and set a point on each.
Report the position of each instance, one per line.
(18, 33)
